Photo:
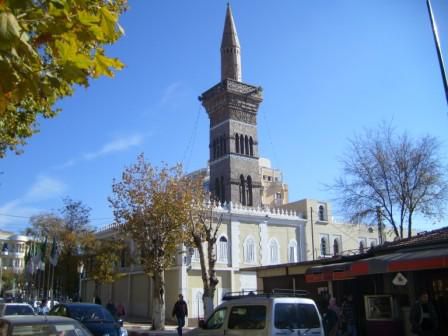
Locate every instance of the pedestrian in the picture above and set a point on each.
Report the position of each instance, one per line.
(348, 320)
(111, 308)
(121, 312)
(180, 310)
(97, 300)
(332, 304)
(423, 316)
(43, 308)
(330, 321)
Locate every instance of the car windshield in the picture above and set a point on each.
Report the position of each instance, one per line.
(18, 310)
(296, 316)
(90, 313)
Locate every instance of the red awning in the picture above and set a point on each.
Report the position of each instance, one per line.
(410, 260)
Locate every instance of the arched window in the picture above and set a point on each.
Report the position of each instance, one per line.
(241, 144)
(221, 146)
(222, 249)
(223, 191)
(249, 250)
(292, 251)
(361, 246)
(224, 144)
(321, 213)
(251, 146)
(336, 246)
(273, 251)
(242, 191)
(323, 246)
(246, 145)
(217, 189)
(237, 143)
(249, 191)
(214, 150)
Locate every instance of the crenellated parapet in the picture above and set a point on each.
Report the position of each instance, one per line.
(237, 208)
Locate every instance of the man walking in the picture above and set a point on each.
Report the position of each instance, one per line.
(423, 316)
(180, 310)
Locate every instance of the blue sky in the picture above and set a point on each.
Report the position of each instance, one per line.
(329, 69)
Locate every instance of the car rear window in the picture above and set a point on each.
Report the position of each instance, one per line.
(247, 317)
(48, 330)
(89, 313)
(296, 316)
(18, 310)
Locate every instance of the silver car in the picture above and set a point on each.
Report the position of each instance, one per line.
(38, 325)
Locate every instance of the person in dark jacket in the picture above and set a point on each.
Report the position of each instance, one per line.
(423, 316)
(348, 323)
(180, 310)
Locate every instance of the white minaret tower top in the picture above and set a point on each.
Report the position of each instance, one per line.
(230, 50)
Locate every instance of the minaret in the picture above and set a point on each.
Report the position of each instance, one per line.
(230, 50)
(232, 107)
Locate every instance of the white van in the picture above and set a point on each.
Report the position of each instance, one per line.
(263, 314)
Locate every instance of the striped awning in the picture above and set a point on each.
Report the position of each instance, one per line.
(408, 260)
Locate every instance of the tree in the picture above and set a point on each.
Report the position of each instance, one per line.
(102, 258)
(46, 48)
(395, 174)
(202, 231)
(150, 205)
(71, 229)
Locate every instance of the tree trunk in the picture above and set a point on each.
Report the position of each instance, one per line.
(213, 281)
(96, 291)
(207, 299)
(410, 224)
(158, 314)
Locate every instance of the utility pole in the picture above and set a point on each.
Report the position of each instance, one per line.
(438, 48)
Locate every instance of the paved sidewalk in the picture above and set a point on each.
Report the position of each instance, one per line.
(144, 329)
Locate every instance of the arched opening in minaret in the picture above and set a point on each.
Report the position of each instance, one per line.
(242, 144)
(251, 146)
(242, 191)
(224, 144)
(249, 191)
(237, 143)
(217, 189)
(223, 191)
(246, 145)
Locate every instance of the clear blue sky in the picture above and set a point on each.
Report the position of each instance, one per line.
(328, 68)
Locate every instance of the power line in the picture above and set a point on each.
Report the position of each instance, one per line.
(190, 144)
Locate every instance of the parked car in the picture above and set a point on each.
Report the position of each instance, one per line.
(263, 314)
(16, 309)
(94, 317)
(41, 326)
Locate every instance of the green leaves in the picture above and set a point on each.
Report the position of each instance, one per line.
(9, 29)
(46, 48)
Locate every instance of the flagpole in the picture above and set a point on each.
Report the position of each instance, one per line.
(52, 284)
(48, 279)
(438, 48)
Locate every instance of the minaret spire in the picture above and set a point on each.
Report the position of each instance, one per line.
(230, 50)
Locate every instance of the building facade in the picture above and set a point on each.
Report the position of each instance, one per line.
(13, 251)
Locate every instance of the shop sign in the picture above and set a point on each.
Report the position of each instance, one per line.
(400, 280)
